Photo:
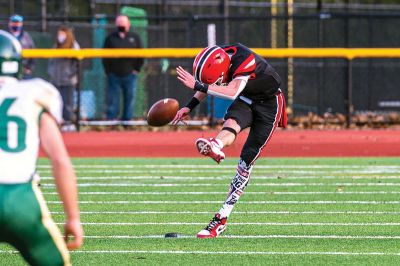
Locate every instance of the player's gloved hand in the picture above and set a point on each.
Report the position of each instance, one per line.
(185, 77)
(182, 114)
(73, 228)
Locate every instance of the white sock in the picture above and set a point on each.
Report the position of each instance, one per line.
(237, 186)
(225, 210)
(219, 142)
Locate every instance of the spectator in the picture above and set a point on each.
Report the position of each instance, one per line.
(15, 26)
(121, 72)
(63, 74)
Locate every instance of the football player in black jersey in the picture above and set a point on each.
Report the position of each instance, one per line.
(237, 73)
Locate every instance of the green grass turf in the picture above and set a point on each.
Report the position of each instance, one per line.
(311, 211)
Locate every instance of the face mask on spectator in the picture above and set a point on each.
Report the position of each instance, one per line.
(121, 29)
(61, 38)
(16, 30)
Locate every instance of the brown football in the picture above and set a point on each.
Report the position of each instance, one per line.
(162, 112)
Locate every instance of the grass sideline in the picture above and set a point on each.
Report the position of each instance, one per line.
(294, 211)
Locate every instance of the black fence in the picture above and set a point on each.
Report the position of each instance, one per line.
(320, 85)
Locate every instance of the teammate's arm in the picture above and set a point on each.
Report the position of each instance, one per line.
(65, 178)
(230, 91)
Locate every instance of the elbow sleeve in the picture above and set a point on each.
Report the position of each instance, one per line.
(242, 85)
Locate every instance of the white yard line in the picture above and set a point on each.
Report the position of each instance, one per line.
(250, 237)
(158, 177)
(232, 170)
(267, 184)
(137, 185)
(199, 252)
(236, 212)
(234, 224)
(168, 252)
(229, 177)
(241, 203)
(245, 237)
(134, 165)
(241, 252)
(224, 193)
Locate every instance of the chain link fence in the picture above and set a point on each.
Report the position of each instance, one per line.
(320, 85)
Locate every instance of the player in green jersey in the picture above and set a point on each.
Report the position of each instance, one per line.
(29, 113)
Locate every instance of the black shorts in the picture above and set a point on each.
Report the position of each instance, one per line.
(262, 117)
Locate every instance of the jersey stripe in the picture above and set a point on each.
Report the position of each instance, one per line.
(201, 61)
(51, 227)
(246, 67)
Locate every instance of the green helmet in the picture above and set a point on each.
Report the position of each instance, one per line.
(10, 55)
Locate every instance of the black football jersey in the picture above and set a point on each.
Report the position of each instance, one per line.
(263, 83)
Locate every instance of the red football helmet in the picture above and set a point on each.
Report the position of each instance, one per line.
(211, 65)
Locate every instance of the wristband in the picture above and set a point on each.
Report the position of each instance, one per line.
(199, 86)
(193, 103)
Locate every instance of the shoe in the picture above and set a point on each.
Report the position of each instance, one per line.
(216, 226)
(210, 148)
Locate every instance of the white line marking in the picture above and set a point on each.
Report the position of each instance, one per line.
(137, 185)
(252, 237)
(242, 202)
(232, 170)
(199, 252)
(208, 166)
(242, 252)
(224, 193)
(132, 237)
(229, 177)
(234, 224)
(266, 184)
(237, 212)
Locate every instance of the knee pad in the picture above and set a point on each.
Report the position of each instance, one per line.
(230, 130)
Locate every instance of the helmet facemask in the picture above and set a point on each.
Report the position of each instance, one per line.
(219, 81)
(10, 55)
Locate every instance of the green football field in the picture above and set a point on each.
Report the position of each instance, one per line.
(294, 211)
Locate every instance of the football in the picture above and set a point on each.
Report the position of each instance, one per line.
(162, 112)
